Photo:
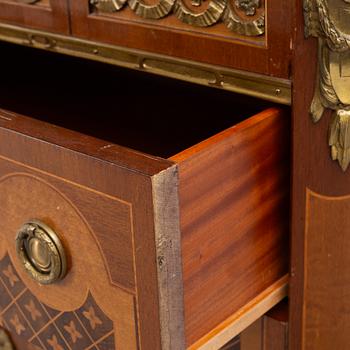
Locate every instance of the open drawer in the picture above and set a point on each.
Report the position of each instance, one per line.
(162, 244)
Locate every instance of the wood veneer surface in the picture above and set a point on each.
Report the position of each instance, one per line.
(234, 186)
(234, 192)
(269, 55)
(51, 16)
(275, 327)
(318, 309)
(64, 159)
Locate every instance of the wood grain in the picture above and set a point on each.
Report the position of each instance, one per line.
(234, 190)
(52, 17)
(244, 317)
(312, 169)
(49, 149)
(271, 57)
(252, 337)
(326, 324)
(275, 327)
(168, 243)
(270, 332)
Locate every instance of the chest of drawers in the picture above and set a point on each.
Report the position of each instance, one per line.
(173, 222)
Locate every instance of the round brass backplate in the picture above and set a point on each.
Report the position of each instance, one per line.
(41, 252)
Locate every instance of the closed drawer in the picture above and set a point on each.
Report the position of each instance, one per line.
(248, 35)
(161, 247)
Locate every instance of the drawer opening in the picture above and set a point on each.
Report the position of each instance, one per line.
(229, 185)
(151, 114)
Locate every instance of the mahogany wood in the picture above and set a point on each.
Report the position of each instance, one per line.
(244, 317)
(257, 144)
(270, 332)
(52, 16)
(275, 327)
(252, 337)
(269, 56)
(234, 218)
(109, 176)
(319, 271)
(233, 187)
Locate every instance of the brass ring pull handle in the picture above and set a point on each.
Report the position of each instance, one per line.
(41, 252)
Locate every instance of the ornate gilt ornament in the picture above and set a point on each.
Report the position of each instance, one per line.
(108, 5)
(329, 20)
(253, 25)
(245, 17)
(202, 19)
(249, 6)
(157, 11)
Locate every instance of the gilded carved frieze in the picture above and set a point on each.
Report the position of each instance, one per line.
(329, 21)
(245, 17)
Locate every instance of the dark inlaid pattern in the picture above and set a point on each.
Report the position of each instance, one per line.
(48, 329)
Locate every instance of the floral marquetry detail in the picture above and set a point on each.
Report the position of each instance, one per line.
(12, 277)
(72, 330)
(90, 315)
(34, 312)
(16, 323)
(53, 342)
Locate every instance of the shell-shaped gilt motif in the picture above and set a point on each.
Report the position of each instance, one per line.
(244, 17)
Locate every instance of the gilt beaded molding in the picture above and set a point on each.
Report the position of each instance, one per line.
(245, 17)
(329, 21)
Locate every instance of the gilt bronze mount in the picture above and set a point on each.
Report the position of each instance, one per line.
(329, 21)
(245, 17)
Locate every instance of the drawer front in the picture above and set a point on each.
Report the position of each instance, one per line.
(127, 220)
(105, 214)
(220, 32)
(51, 15)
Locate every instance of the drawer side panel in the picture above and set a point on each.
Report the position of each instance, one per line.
(234, 191)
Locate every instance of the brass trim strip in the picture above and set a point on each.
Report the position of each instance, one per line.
(265, 87)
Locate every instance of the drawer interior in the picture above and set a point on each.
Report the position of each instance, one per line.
(151, 114)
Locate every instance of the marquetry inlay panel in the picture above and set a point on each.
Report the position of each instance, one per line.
(24, 315)
(93, 307)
